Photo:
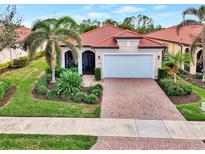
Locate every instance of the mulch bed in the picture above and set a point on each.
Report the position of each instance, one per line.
(191, 78)
(8, 96)
(182, 99)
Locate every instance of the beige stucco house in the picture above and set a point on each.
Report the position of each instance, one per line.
(181, 43)
(119, 53)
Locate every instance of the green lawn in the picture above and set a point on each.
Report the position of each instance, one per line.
(23, 104)
(45, 142)
(192, 111)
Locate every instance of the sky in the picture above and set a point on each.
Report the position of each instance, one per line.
(164, 14)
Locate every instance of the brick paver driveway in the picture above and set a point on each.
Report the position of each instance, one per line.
(137, 98)
(140, 99)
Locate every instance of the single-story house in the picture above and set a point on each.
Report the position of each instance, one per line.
(181, 43)
(119, 53)
(9, 54)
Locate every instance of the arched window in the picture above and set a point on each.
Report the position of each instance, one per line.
(88, 62)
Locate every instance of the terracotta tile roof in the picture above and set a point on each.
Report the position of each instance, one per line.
(22, 33)
(106, 36)
(186, 34)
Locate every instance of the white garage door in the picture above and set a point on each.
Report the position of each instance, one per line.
(129, 65)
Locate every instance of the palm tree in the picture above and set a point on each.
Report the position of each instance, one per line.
(52, 31)
(200, 39)
(173, 62)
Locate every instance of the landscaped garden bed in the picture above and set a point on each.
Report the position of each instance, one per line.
(24, 104)
(195, 79)
(68, 88)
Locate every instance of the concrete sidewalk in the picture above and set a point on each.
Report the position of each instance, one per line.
(103, 127)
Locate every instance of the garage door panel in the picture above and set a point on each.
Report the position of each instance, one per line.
(128, 66)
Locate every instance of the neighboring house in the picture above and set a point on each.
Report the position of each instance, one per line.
(10, 54)
(181, 43)
(119, 53)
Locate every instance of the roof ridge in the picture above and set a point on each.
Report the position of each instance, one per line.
(101, 28)
(107, 38)
(146, 38)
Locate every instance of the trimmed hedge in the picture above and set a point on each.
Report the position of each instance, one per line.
(41, 87)
(4, 87)
(161, 73)
(21, 62)
(180, 88)
(97, 74)
(91, 99)
(79, 97)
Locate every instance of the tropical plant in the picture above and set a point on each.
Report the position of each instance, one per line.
(199, 13)
(52, 31)
(174, 61)
(68, 84)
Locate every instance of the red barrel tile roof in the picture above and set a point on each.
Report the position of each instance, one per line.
(186, 34)
(106, 36)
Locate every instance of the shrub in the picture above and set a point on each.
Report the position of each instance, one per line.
(68, 84)
(97, 74)
(96, 92)
(198, 75)
(161, 73)
(79, 97)
(39, 54)
(52, 93)
(73, 69)
(41, 89)
(91, 99)
(183, 72)
(97, 86)
(21, 62)
(4, 87)
(180, 88)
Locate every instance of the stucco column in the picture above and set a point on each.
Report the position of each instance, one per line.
(193, 64)
(63, 60)
(80, 63)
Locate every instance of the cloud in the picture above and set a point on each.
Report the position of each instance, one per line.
(159, 7)
(129, 9)
(88, 7)
(97, 14)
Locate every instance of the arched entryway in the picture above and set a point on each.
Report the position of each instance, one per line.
(69, 62)
(199, 62)
(88, 62)
(187, 63)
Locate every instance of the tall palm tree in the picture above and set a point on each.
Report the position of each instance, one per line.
(200, 39)
(52, 31)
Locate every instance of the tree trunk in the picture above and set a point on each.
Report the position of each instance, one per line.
(175, 78)
(53, 62)
(203, 52)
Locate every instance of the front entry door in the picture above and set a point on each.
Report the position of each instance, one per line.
(88, 61)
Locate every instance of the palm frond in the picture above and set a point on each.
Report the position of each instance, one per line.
(189, 11)
(69, 34)
(66, 22)
(195, 43)
(186, 23)
(201, 13)
(40, 24)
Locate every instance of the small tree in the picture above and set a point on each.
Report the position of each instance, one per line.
(173, 62)
(9, 22)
